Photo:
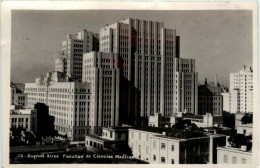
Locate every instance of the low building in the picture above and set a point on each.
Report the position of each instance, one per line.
(113, 139)
(231, 155)
(165, 146)
(207, 120)
(24, 118)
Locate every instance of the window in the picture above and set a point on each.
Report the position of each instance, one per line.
(162, 159)
(154, 157)
(234, 160)
(225, 158)
(139, 136)
(90, 143)
(162, 145)
(110, 134)
(243, 161)
(154, 144)
(172, 147)
(172, 161)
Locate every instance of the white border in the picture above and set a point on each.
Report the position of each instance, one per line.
(7, 6)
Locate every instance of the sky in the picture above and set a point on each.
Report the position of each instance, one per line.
(220, 41)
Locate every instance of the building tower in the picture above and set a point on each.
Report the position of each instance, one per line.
(241, 91)
(73, 48)
(147, 51)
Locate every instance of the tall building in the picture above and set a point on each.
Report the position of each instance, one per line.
(73, 48)
(241, 90)
(68, 102)
(210, 99)
(185, 86)
(102, 72)
(147, 52)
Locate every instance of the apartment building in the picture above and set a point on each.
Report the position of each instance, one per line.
(210, 98)
(73, 48)
(241, 90)
(68, 101)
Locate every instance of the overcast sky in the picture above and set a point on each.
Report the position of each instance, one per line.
(220, 41)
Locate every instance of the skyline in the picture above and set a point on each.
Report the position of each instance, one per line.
(215, 39)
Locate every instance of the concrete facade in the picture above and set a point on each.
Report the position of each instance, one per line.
(69, 103)
(185, 86)
(158, 148)
(72, 52)
(147, 51)
(102, 72)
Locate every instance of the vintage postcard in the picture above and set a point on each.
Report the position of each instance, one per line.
(112, 84)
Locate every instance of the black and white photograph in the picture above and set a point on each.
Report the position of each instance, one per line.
(132, 86)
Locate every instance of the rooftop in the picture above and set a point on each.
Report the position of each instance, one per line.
(173, 133)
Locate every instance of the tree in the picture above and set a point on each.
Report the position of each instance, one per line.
(228, 119)
(247, 119)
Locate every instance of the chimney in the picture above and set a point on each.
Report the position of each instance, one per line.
(243, 147)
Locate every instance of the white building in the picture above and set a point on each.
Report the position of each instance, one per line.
(147, 50)
(241, 91)
(72, 52)
(24, 118)
(102, 72)
(230, 155)
(226, 101)
(17, 95)
(111, 140)
(68, 102)
(186, 86)
(153, 145)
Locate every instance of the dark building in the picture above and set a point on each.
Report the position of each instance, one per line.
(210, 99)
(45, 122)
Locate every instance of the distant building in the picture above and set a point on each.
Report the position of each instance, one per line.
(18, 97)
(185, 86)
(24, 118)
(72, 53)
(164, 146)
(204, 121)
(112, 140)
(69, 103)
(210, 99)
(241, 91)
